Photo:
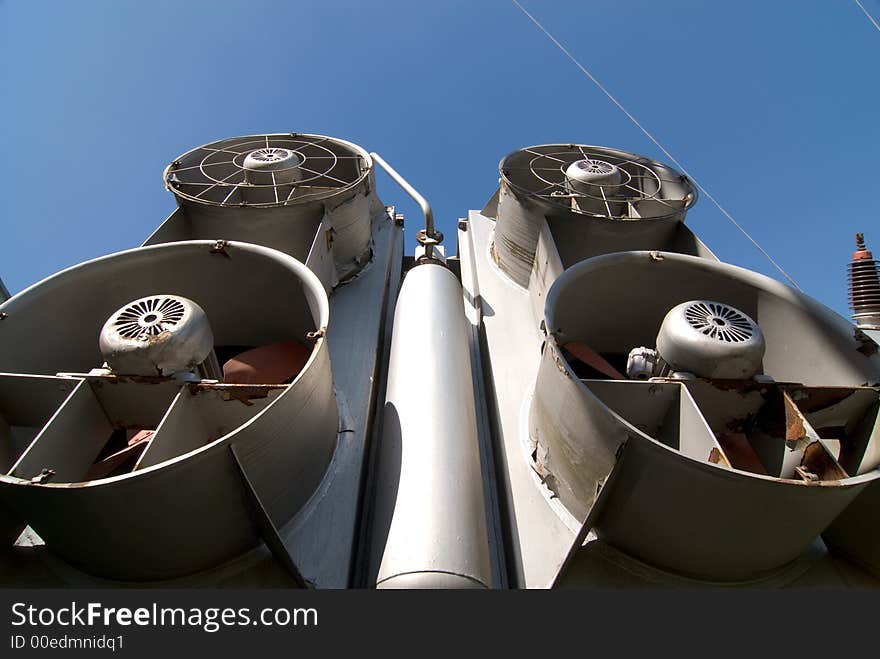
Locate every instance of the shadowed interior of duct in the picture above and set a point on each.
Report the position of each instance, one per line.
(735, 379)
(109, 426)
(155, 389)
(788, 432)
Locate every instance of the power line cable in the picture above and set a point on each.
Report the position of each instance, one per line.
(870, 18)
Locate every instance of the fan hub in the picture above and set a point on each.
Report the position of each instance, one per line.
(593, 173)
(272, 166)
(271, 159)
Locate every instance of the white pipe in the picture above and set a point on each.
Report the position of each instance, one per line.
(429, 528)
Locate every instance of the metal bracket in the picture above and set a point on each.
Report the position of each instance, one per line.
(219, 247)
(424, 239)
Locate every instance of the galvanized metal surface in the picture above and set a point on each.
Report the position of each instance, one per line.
(540, 529)
(324, 536)
(537, 537)
(217, 196)
(644, 203)
(675, 507)
(500, 464)
(194, 490)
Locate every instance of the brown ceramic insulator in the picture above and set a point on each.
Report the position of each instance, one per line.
(864, 280)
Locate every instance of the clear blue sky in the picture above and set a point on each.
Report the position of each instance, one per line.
(771, 105)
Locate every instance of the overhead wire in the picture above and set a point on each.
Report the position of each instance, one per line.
(865, 12)
(653, 139)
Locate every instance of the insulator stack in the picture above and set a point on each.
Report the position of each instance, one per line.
(864, 286)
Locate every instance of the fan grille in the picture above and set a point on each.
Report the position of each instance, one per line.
(540, 172)
(216, 173)
(595, 166)
(149, 317)
(720, 322)
(272, 154)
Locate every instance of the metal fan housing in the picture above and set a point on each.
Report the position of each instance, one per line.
(279, 190)
(156, 335)
(599, 189)
(711, 340)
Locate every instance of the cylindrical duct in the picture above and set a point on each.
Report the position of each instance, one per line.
(275, 190)
(183, 506)
(599, 189)
(516, 235)
(350, 222)
(429, 528)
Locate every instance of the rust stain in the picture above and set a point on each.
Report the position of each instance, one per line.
(740, 386)
(818, 461)
(560, 364)
(716, 457)
(795, 430)
(243, 393)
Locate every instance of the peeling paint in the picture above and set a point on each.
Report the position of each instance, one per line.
(243, 393)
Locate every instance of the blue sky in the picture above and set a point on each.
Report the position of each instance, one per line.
(771, 105)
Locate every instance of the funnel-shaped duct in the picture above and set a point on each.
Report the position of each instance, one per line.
(716, 479)
(132, 476)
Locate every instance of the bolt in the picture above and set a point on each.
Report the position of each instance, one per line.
(43, 476)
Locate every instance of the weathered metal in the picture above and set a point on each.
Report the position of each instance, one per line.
(307, 180)
(476, 432)
(747, 523)
(555, 180)
(185, 485)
